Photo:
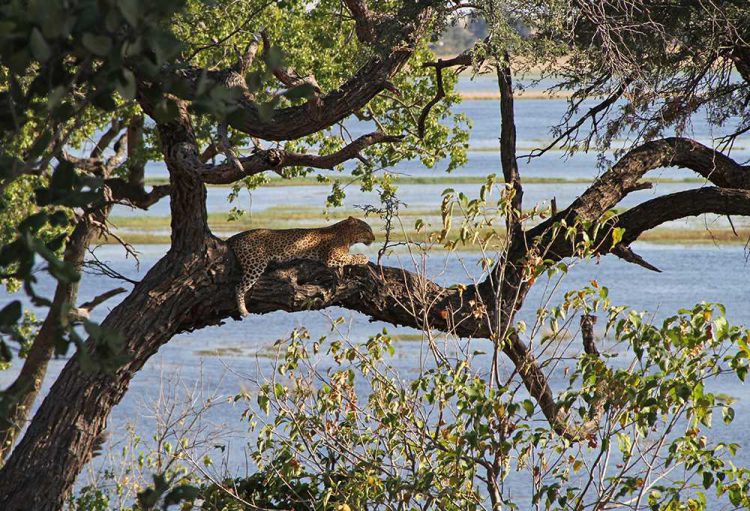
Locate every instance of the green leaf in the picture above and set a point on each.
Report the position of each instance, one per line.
(39, 47)
(728, 414)
(302, 91)
(96, 44)
(273, 57)
(130, 11)
(180, 494)
(617, 234)
(528, 405)
(166, 110)
(10, 314)
(126, 84)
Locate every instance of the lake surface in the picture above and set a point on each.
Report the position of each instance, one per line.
(184, 366)
(183, 371)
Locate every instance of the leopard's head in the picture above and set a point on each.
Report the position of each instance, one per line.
(358, 231)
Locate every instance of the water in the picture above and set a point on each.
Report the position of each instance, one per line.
(690, 274)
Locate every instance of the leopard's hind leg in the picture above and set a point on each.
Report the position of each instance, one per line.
(249, 278)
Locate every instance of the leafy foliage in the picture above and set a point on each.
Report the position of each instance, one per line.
(360, 432)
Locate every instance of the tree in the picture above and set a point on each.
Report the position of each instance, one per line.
(207, 91)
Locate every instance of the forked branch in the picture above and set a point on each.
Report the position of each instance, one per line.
(623, 178)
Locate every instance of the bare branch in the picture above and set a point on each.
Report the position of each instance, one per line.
(135, 195)
(226, 147)
(89, 165)
(626, 254)
(461, 61)
(95, 266)
(83, 311)
(121, 150)
(106, 139)
(208, 153)
(590, 114)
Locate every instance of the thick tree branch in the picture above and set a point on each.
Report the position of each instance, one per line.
(364, 20)
(741, 57)
(276, 159)
(399, 39)
(135, 195)
(652, 213)
(385, 294)
(623, 177)
(189, 218)
(84, 310)
(508, 158)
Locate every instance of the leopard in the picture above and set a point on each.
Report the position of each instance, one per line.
(256, 248)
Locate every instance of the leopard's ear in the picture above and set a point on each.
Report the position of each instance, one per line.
(351, 219)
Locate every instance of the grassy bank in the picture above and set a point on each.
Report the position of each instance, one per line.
(447, 180)
(142, 230)
(660, 236)
(518, 94)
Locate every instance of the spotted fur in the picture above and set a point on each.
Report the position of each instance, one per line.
(256, 248)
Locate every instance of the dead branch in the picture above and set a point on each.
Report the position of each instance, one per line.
(590, 114)
(83, 311)
(106, 139)
(123, 192)
(225, 146)
(461, 61)
(95, 266)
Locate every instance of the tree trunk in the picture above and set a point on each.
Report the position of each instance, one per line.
(42, 469)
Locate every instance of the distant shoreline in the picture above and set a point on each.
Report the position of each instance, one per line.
(519, 94)
(147, 230)
(656, 236)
